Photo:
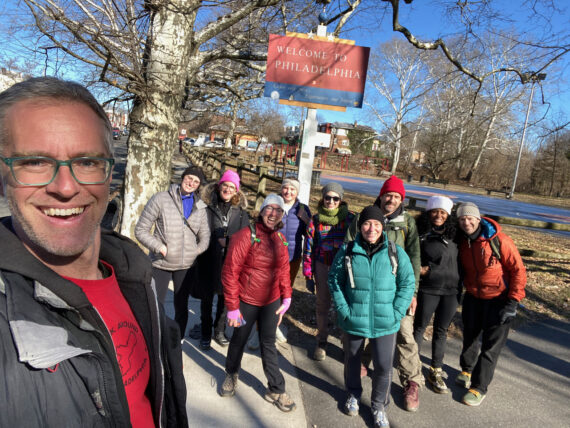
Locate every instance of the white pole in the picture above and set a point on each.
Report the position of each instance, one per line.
(308, 145)
(510, 195)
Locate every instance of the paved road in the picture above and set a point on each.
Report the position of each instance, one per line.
(531, 387)
(488, 205)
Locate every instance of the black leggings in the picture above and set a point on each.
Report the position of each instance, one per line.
(267, 323)
(206, 316)
(444, 308)
(182, 281)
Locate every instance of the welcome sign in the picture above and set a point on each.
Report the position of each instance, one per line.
(316, 70)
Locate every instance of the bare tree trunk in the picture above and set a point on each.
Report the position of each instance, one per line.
(155, 115)
(481, 147)
(397, 145)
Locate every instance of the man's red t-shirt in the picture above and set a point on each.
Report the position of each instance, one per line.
(130, 346)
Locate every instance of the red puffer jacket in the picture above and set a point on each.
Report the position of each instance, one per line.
(257, 274)
(485, 277)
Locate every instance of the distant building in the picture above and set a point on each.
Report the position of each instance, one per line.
(340, 142)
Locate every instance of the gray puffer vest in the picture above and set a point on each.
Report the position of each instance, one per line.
(183, 242)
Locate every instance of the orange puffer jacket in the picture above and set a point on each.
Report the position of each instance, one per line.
(487, 277)
(257, 274)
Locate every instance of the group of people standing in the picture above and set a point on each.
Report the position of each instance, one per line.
(386, 276)
(81, 308)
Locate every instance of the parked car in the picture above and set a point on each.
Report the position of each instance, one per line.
(189, 141)
(116, 133)
(210, 144)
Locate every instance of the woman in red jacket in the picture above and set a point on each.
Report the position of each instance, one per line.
(257, 288)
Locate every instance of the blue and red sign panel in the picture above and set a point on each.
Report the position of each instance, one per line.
(316, 71)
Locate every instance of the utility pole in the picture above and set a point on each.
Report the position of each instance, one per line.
(532, 77)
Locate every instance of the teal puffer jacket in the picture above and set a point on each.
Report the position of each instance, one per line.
(379, 299)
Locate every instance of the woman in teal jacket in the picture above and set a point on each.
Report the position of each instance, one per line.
(371, 287)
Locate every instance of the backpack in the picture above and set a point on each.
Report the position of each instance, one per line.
(392, 255)
(254, 238)
(495, 244)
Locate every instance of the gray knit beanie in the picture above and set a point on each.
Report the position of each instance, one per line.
(468, 209)
(271, 199)
(333, 187)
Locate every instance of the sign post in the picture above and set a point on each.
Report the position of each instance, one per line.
(315, 72)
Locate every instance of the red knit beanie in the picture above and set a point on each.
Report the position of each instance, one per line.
(393, 184)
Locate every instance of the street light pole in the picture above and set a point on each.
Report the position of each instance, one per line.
(534, 78)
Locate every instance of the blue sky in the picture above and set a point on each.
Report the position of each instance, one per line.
(428, 21)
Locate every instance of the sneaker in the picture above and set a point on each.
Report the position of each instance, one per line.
(351, 406)
(473, 398)
(221, 339)
(230, 385)
(380, 419)
(463, 379)
(279, 336)
(320, 352)
(253, 342)
(435, 378)
(205, 344)
(282, 401)
(411, 396)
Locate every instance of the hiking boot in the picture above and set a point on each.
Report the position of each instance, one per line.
(320, 352)
(463, 379)
(380, 419)
(221, 339)
(473, 398)
(205, 344)
(282, 401)
(435, 378)
(411, 396)
(351, 406)
(230, 385)
(279, 336)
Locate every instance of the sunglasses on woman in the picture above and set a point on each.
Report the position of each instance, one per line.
(328, 198)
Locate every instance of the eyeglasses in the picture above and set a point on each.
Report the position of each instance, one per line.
(228, 187)
(328, 198)
(271, 209)
(41, 170)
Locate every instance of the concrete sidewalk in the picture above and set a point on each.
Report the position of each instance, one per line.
(204, 373)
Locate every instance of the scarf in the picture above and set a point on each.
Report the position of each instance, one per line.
(333, 216)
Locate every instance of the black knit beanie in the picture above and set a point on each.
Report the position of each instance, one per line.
(371, 212)
(196, 171)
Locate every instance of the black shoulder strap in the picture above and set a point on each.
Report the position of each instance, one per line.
(253, 234)
(495, 243)
(182, 215)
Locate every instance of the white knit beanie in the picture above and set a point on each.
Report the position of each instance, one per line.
(441, 202)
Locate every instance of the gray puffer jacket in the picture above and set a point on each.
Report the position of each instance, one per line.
(183, 243)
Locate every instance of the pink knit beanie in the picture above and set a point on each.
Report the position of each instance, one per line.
(230, 176)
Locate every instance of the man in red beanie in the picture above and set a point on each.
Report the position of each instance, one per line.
(401, 228)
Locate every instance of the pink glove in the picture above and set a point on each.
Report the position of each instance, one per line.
(236, 315)
(285, 305)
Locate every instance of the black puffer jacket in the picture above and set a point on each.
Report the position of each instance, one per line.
(439, 251)
(223, 226)
(57, 360)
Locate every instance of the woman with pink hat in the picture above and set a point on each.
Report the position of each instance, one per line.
(226, 215)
